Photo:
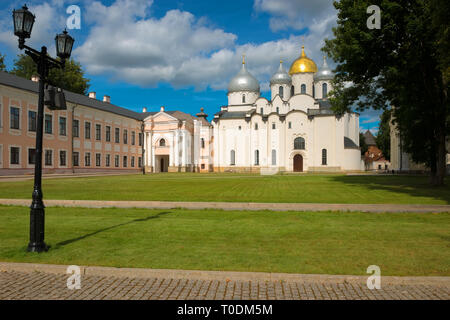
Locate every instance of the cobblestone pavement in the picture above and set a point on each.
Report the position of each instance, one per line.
(39, 285)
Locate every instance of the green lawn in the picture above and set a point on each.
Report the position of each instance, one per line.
(237, 188)
(297, 242)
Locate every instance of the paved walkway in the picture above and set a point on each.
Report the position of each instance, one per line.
(236, 205)
(37, 281)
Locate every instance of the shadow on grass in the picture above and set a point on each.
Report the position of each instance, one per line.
(69, 241)
(412, 185)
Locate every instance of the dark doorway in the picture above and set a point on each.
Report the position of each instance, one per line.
(162, 165)
(298, 163)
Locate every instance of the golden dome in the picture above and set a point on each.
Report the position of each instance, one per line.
(303, 64)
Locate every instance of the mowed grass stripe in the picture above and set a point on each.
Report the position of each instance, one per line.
(239, 188)
(406, 244)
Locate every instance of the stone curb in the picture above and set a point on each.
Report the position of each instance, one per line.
(219, 275)
(252, 206)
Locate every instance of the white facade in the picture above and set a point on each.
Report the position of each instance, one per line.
(296, 133)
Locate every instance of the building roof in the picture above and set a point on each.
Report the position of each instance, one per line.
(350, 144)
(243, 81)
(24, 84)
(369, 138)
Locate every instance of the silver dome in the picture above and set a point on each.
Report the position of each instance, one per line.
(281, 76)
(324, 73)
(243, 81)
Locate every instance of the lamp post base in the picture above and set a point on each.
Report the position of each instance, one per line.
(37, 247)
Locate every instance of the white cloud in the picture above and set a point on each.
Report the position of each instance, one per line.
(295, 14)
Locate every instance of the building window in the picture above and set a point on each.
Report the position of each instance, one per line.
(232, 158)
(273, 125)
(324, 90)
(62, 158)
(98, 159)
(48, 157)
(303, 89)
(14, 118)
(281, 91)
(292, 91)
(125, 161)
(324, 157)
(76, 159)
(314, 91)
(48, 124)
(15, 155)
(278, 110)
(299, 143)
(76, 128)
(125, 136)
(32, 121)
(239, 127)
(108, 160)
(98, 132)
(140, 162)
(108, 134)
(132, 162)
(162, 143)
(87, 159)
(62, 126)
(274, 157)
(87, 130)
(117, 135)
(243, 98)
(116, 161)
(256, 157)
(133, 138)
(289, 125)
(256, 126)
(141, 136)
(31, 156)
(262, 110)
(202, 143)
(202, 166)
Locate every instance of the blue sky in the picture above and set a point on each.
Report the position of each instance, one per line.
(179, 54)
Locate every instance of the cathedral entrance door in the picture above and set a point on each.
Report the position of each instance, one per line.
(298, 163)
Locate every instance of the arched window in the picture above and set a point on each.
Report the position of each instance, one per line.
(314, 91)
(203, 143)
(303, 89)
(232, 158)
(256, 157)
(243, 98)
(292, 91)
(162, 143)
(274, 157)
(324, 90)
(324, 157)
(281, 91)
(299, 143)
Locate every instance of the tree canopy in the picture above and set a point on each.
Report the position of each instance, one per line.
(403, 65)
(383, 137)
(71, 78)
(2, 62)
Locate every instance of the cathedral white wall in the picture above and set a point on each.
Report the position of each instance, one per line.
(236, 98)
(306, 78)
(275, 90)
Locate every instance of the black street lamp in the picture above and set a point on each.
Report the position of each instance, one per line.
(23, 24)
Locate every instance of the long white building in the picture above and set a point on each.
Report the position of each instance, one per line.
(294, 131)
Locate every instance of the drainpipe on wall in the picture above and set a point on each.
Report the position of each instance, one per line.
(71, 134)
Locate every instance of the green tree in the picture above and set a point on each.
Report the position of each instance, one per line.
(71, 79)
(383, 137)
(404, 65)
(2, 62)
(362, 144)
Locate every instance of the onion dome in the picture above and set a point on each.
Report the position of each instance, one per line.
(243, 81)
(303, 64)
(324, 73)
(281, 76)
